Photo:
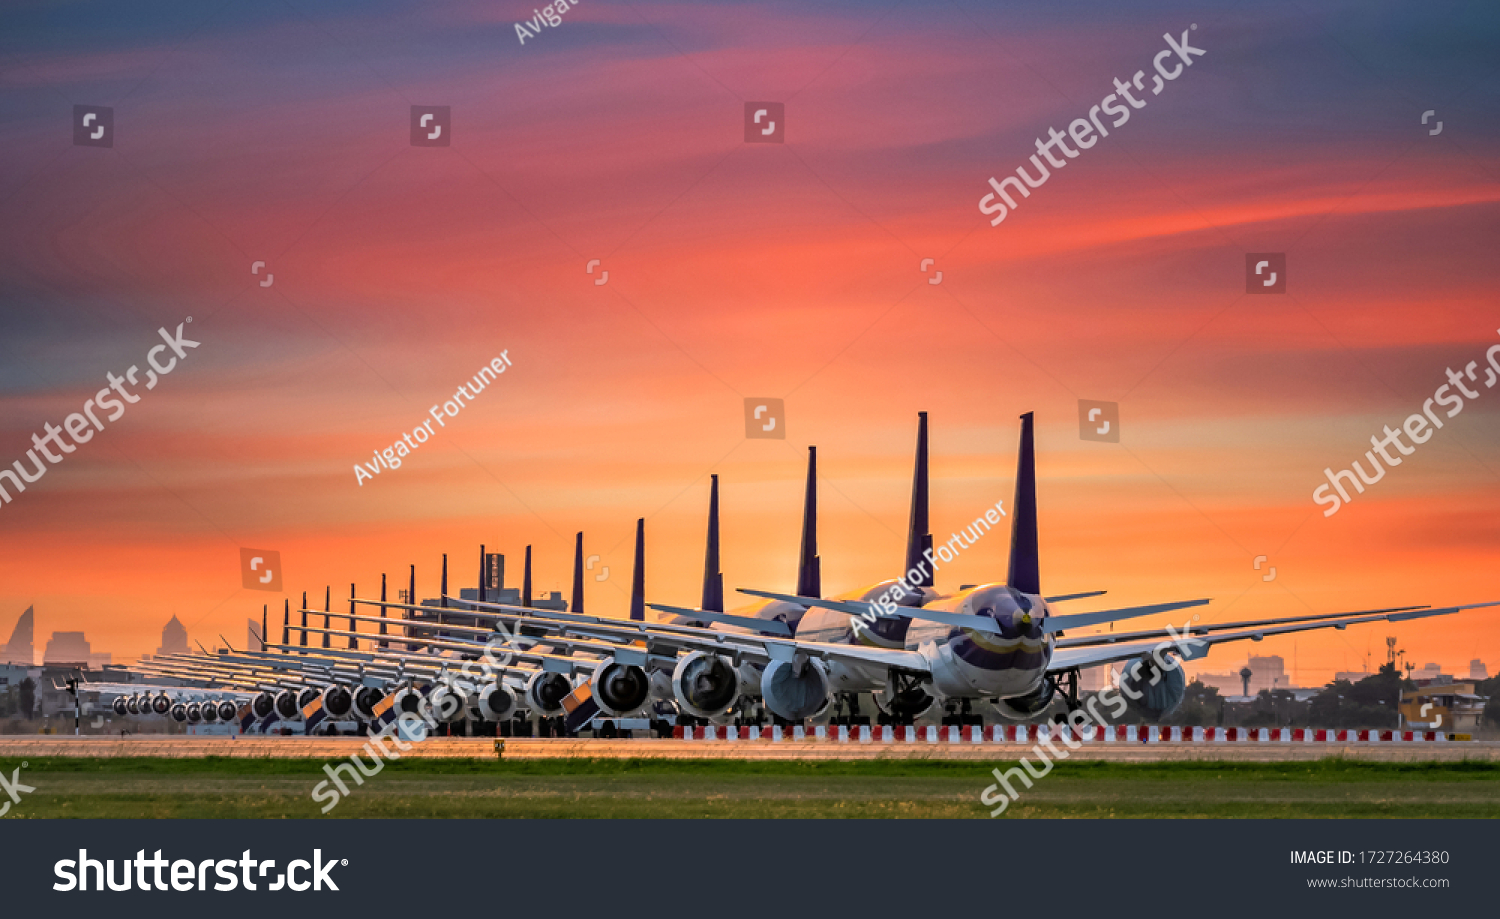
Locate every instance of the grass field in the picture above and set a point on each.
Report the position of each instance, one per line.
(590, 788)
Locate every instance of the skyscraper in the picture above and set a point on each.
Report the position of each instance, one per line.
(174, 639)
(19, 649)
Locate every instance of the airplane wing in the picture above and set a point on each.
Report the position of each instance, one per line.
(1197, 646)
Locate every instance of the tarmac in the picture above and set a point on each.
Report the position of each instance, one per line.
(324, 748)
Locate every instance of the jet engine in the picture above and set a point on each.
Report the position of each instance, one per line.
(408, 701)
(448, 702)
(208, 711)
(194, 715)
(545, 692)
(1151, 690)
(120, 706)
(497, 702)
(179, 712)
(1024, 708)
(365, 700)
(306, 696)
(227, 711)
(263, 705)
(161, 704)
(133, 704)
(337, 701)
(705, 685)
(792, 695)
(910, 700)
(286, 705)
(619, 689)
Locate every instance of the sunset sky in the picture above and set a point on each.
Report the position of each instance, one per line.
(280, 133)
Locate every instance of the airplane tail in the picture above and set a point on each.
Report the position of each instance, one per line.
(638, 577)
(919, 535)
(1025, 568)
(809, 565)
(577, 604)
(526, 580)
(713, 578)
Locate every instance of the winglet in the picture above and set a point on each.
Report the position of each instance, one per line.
(638, 577)
(809, 566)
(713, 578)
(919, 535)
(1025, 567)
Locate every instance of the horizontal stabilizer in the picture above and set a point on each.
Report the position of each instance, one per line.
(773, 626)
(860, 608)
(1082, 620)
(1064, 597)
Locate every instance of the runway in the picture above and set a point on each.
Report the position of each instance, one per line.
(327, 748)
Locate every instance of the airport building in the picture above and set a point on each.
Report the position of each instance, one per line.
(1450, 706)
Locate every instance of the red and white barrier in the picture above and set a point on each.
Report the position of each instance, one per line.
(1034, 733)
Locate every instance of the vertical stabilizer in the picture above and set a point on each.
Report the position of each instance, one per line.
(483, 573)
(444, 594)
(638, 576)
(304, 618)
(286, 624)
(383, 644)
(327, 619)
(919, 534)
(1025, 568)
(353, 624)
(577, 605)
(809, 566)
(713, 578)
(525, 581)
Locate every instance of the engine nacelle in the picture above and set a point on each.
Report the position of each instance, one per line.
(913, 701)
(1151, 690)
(194, 713)
(795, 696)
(365, 700)
(263, 704)
(227, 711)
(497, 702)
(545, 692)
(161, 704)
(1024, 708)
(705, 685)
(179, 712)
(448, 702)
(208, 711)
(619, 689)
(134, 704)
(408, 702)
(337, 701)
(286, 705)
(120, 706)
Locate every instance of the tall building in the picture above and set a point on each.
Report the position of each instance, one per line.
(254, 641)
(1477, 670)
(67, 648)
(174, 639)
(19, 649)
